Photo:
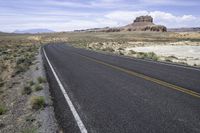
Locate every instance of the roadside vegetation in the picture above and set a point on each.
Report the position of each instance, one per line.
(38, 87)
(27, 90)
(2, 109)
(41, 80)
(30, 130)
(37, 102)
(17, 56)
(149, 55)
(15, 59)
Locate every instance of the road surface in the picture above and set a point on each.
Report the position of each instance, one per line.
(103, 93)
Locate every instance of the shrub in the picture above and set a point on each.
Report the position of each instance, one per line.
(2, 109)
(120, 49)
(155, 58)
(173, 57)
(149, 55)
(36, 68)
(108, 49)
(184, 63)
(31, 83)
(20, 60)
(132, 52)
(41, 80)
(6, 57)
(38, 87)
(168, 60)
(152, 55)
(20, 68)
(121, 53)
(23, 62)
(141, 55)
(4, 66)
(27, 90)
(37, 102)
(1, 83)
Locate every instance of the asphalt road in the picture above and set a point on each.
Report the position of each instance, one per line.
(114, 94)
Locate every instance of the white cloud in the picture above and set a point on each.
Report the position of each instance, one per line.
(171, 20)
(170, 2)
(68, 20)
(125, 16)
(110, 4)
(66, 4)
(57, 25)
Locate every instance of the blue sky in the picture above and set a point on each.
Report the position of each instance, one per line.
(65, 15)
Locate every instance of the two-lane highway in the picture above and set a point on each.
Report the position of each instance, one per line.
(112, 94)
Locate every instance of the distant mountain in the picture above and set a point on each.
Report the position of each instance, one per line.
(192, 29)
(5, 33)
(33, 31)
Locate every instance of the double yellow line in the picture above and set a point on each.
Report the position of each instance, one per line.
(160, 82)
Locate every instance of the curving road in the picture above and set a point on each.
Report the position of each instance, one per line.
(114, 94)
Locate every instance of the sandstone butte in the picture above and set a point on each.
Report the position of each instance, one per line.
(142, 23)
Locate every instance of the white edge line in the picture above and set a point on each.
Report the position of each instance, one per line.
(71, 106)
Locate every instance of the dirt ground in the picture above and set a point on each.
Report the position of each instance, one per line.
(20, 116)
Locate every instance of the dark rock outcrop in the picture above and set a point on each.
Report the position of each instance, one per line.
(143, 19)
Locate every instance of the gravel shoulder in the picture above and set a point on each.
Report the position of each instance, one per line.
(46, 116)
(20, 117)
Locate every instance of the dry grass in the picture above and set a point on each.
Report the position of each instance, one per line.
(82, 39)
(31, 83)
(38, 87)
(17, 53)
(41, 80)
(2, 109)
(149, 55)
(37, 102)
(27, 90)
(30, 130)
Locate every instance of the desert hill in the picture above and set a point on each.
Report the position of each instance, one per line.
(191, 29)
(33, 31)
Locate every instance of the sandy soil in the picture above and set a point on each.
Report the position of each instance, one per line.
(187, 54)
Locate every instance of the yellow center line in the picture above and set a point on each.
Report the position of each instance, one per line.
(160, 82)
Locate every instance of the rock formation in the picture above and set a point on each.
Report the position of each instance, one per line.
(144, 23)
